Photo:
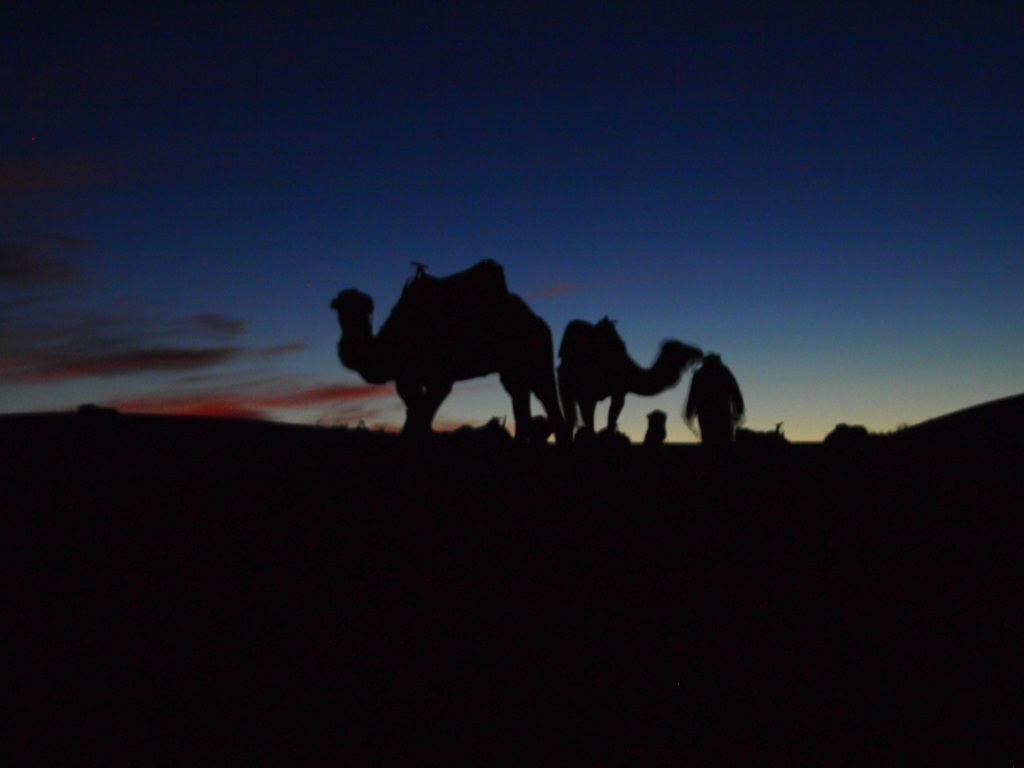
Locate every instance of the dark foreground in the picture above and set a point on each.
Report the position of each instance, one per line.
(186, 592)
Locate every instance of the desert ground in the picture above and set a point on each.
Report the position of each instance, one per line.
(195, 591)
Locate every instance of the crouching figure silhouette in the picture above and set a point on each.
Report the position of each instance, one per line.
(656, 432)
(716, 403)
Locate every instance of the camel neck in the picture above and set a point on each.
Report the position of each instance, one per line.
(359, 351)
(654, 380)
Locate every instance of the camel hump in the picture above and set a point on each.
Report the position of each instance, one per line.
(483, 281)
(577, 338)
(591, 341)
(464, 298)
(608, 337)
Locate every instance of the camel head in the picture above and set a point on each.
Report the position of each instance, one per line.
(678, 356)
(357, 348)
(351, 305)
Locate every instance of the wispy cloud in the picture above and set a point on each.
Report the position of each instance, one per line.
(44, 340)
(257, 405)
(141, 329)
(212, 324)
(558, 289)
(211, 405)
(38, 366)
(281, 349)
(300, 398)
(62, 344)
(33, 261)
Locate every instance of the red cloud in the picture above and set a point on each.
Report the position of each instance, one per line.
(228, 406)
(246, 405)
(557, 290)
(330, 394)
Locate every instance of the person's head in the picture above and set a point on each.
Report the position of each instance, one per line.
(657, 418)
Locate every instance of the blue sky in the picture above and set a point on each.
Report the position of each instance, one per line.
(832, 200)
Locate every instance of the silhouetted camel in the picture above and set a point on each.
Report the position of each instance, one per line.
(716, 401)
(444, 330)
(595, 365)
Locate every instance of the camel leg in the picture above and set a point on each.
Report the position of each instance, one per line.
(569, 416)
(568, 404)
(587, 414)
(520, 394)
(421, 404)
(432, 399)
(548, 396)
(614, 409)
(521, 414)
(414, 398)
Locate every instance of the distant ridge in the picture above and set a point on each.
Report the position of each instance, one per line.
(997, 422)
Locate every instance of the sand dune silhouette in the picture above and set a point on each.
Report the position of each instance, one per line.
(181, 589)
(994, 422)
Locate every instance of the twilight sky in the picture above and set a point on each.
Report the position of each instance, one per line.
(832, 200)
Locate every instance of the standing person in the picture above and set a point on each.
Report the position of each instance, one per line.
(716, 401)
